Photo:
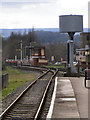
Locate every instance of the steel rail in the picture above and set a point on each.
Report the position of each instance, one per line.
(44, 95)
(21, 94)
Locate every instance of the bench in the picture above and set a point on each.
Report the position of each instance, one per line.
(87, 75)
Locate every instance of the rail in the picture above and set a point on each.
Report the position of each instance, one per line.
(25, 90)
(13, 103)
(44, 95)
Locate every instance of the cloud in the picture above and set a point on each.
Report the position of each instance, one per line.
(20, 3)
(29, 1)
(11, 2)
(40, 13)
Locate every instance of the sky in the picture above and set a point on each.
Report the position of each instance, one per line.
(39, 13)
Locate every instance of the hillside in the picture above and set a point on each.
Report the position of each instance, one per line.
(7, 32)
(48, 37)
(45, 35)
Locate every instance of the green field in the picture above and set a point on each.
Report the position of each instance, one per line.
(54, 66)
(16, 79)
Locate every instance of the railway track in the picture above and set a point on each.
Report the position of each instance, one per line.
(29, 103)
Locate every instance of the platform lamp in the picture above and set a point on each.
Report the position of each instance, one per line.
(71, 24)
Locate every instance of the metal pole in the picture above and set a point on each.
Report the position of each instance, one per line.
(30, 53)
(25, 52)
(71, 51)
(68, 53)
(21, 52)
(71, 48)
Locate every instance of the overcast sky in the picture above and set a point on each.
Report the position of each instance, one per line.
(39, 13)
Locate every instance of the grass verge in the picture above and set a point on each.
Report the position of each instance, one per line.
(54, 66)
(16, 79)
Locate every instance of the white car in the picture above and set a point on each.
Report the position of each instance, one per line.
(75, 63)
(57, 63)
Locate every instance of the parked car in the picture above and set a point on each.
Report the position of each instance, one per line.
(57, 63)
(75, 63)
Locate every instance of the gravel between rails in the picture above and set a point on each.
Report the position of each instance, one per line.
(47, 102)
(11, 97)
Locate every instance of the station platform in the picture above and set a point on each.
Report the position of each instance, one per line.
(70, 98)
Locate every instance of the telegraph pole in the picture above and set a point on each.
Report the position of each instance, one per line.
(25, 52)
(30, 53)
(21, 52)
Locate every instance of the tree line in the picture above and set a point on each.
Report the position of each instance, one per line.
(11, 45)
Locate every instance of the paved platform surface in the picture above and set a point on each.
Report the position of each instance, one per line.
(81, 94)
(71, 99)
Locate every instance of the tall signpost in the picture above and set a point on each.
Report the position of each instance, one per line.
(71, 24)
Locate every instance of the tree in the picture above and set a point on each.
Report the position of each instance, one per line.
(13, 42)
(56, 49)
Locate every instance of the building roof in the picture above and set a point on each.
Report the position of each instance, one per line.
(83, 49)
(35, 47)
(85, 33)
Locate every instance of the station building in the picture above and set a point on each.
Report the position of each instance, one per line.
(85, 39)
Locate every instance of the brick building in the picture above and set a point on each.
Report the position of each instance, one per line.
(38, 56)
(85, 39)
